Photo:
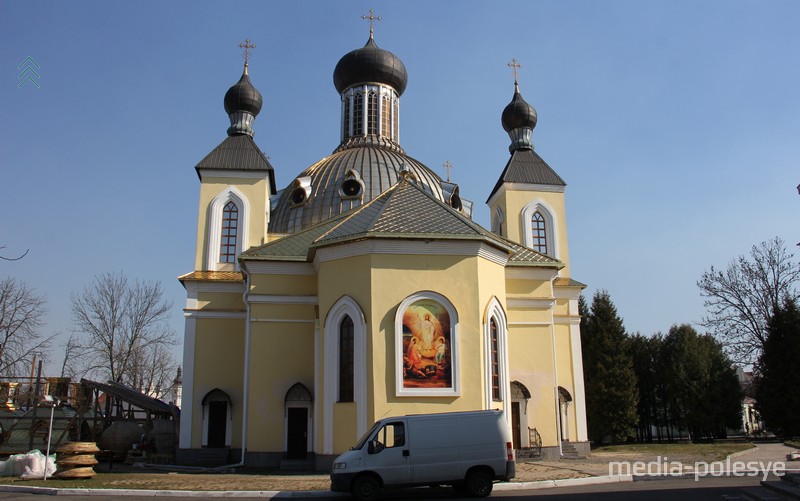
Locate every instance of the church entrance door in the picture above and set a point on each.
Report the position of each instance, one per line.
(217, 422)
(515, 424)
(297, 433)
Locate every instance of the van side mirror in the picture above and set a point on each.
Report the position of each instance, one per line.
(374, 447)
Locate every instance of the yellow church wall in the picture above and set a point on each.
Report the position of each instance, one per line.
(514, 202)
(282, 312)
(533, 288)
(347, 276)
(220, 301)
(528, 315)
(344, 422)
(282, 354)
(219, 343)
(283, 285)
(396, 277)
(531, 362)
(565, 374)
(257, 193)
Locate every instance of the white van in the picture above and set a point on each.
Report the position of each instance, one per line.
(468, 450)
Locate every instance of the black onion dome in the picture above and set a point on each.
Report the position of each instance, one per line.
(518, 114)
(243, 97)
(370, 64)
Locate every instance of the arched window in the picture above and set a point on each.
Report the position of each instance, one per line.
(495, 360)
(230, 232)
(386, 116)
(346, 346)
(346, 125)
(358, 114)
(395, 120)
(372, 113)
(539, 233)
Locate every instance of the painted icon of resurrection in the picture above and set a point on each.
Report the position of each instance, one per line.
(427, 344)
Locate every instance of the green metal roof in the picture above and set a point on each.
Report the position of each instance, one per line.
(404, 211)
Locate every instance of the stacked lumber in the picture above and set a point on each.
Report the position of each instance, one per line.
(76, 460)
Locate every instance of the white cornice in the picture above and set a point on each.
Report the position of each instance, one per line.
(275, 299)
(529, 324)
(567, 319)
(284, 320)
(236, 174)
(279, 268)
(213, 314)
(195, 287)
(521, 273)
(562, 293)
(521, 302)
(412, 247)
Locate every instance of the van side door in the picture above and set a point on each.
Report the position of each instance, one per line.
(388, 453)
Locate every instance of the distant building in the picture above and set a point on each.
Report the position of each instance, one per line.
(364, 289)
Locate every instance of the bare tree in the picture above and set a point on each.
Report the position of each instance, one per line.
(21, 316)
(741, 299)
(122, 324)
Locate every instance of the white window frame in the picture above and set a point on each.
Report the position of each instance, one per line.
(494, 310)
(215, 208)
(346, 305)
(550, 227)
(453, 391)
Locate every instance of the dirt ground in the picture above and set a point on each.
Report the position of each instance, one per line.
(129, 477)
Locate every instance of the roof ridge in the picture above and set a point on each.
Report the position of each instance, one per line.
(347, 215)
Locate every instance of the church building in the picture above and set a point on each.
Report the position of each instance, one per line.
(364, 289)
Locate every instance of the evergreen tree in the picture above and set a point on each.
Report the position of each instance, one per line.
(777, 378)
(611, 393)
(702, 391)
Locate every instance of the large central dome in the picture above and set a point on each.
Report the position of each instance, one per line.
(369, 159)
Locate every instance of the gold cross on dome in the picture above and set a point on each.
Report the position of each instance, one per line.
(447, 166)
(372, 18)
(247, 45)
(514, 64)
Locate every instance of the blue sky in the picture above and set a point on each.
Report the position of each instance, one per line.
(674, 123)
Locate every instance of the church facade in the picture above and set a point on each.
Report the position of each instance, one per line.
(364, 289)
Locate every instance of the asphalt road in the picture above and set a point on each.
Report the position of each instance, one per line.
(707, 488)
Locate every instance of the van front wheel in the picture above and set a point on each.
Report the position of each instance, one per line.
(478, 484)
(365, 488)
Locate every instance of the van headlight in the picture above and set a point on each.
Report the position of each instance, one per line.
(340, 465)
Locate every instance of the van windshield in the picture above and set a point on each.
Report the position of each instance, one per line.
(365, 437)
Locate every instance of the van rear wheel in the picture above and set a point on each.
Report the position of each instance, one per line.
(478, 484)
(365, 488)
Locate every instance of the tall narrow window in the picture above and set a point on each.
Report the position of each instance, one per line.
(495, 360)
(230, 232)
(372, 113)
(346, 359)
(395, 121)
(358, 114)
(539, 233)
(386, 116)
(346, 125)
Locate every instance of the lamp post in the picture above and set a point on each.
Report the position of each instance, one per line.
(52, 402)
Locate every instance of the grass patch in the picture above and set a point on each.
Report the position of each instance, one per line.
(711, 451)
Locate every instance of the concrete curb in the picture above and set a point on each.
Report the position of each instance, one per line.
(566, 482)
(503, 486)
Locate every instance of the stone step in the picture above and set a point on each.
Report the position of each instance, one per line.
(757, 494)
(785, 488)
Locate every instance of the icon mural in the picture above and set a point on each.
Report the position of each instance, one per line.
(427, 346)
